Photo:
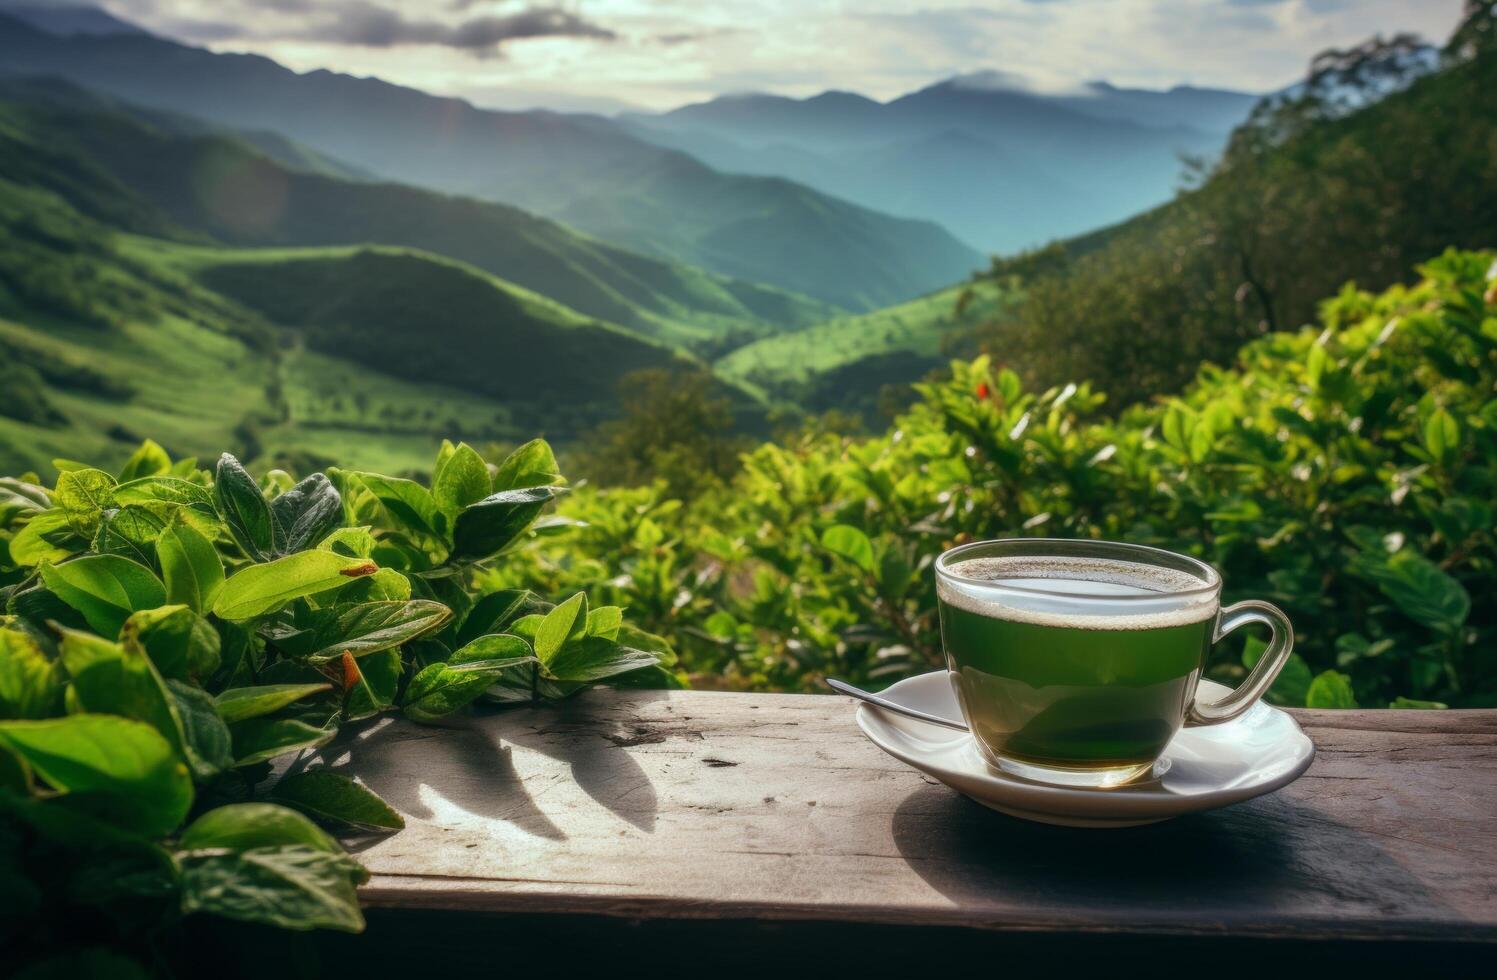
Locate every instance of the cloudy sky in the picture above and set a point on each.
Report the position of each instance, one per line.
(661, 53)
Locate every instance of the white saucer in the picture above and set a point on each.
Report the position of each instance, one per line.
(1208, 767)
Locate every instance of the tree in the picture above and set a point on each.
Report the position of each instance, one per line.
(677, 427)
(1477, 32)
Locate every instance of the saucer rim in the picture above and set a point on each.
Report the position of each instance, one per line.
(1092, 805)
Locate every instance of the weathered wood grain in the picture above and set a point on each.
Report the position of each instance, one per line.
(681, 805)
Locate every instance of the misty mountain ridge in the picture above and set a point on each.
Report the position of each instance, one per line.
(1002, 165)
(589, 173)
(68, 19)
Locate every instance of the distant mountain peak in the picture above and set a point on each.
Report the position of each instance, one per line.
(834, 96)
(1101, 86)
(68, 19)
(986, 80)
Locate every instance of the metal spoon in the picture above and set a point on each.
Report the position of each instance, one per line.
(842, 687)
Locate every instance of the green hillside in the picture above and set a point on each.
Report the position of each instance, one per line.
(914, 328)
(843, 362)
(367, 355)
(588, 172)
(170, 179)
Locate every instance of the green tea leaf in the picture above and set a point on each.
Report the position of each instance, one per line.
(245, 508)
(149, 460)
(558, 625)
(369, 627)
(190, 566)
(82, 496)
(335, 798)
(259, 739)
(379, 680)
(1441, 435)
(408, 503)
(595, 658)
(485, 527)
(125, 765)
(244, 826)
(605, 621)
(438, 690)
(45, 538)
(894, 573)
(209, 746)
(290, 887)
(850, 543)
(241, 703)
(442, 688)
(38, 607)
(532, 465)
(109, 678)
(493, 652)
(19, 497)
(462, 479)
(385, 585)
(129, 532)
(1420, 589)
(304, 515)
(1331, 689)
(355, 542)
(495, 611)
(1403, 702)
(179, 642)
(30, 683)
(261, 589)
(168, 492)
(106, 589)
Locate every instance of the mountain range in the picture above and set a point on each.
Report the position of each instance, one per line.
(1002, 167)
(205, 184)
(366, 266)
(586, 172)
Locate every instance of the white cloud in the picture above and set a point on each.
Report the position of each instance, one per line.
(664, 52)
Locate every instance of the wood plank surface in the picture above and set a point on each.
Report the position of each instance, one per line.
(695, 805)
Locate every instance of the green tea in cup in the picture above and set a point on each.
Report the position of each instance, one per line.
(1076, 662)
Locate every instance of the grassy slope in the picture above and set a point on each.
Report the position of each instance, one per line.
(210, 186)
(378, 355)
(913, 328)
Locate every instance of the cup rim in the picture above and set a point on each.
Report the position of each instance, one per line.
(1207, 573)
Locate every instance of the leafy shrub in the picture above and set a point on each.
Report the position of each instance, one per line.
(676, 427)
(1346, 473)
(170, 632)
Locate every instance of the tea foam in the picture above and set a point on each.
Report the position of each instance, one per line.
(1146, 594)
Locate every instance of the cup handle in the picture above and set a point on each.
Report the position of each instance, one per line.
(1280, 645)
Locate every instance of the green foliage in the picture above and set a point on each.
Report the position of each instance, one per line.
(152, 672)
(675, 428)
(1346, 473)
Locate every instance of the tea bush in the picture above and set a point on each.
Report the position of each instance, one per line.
(1345, 472)
(170, 632)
